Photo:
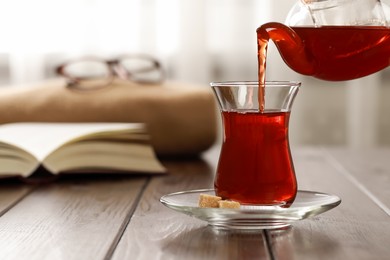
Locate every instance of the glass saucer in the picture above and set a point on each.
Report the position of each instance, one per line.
(249, 217)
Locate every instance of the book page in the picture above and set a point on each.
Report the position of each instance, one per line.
(40, 139)
(106, 156)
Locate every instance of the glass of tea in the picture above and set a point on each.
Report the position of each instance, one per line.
(255, 164)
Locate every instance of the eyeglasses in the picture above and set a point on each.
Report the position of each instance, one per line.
(91, 73)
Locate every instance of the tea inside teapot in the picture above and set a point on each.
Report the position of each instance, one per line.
(333, 40)
(333, 53)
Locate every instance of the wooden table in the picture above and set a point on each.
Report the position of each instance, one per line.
(122, 218)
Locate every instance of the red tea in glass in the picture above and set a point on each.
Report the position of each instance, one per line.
(255, 164)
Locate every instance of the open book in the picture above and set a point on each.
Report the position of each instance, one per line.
(76, 147)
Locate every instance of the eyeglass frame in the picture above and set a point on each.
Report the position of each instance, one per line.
(115, 69)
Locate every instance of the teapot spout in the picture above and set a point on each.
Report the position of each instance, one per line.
(290, 46)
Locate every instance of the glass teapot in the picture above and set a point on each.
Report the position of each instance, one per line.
(332, 40)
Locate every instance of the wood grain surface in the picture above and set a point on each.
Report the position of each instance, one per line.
(11, 193)
(369, 169)
(356, 229)
(170, 235)
(78, 219)
(121, 217)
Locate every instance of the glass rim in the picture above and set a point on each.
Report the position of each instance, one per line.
(255, 84)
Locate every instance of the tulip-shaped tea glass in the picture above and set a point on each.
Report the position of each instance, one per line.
(255, 164)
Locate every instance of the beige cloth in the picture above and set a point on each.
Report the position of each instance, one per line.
(181, 117)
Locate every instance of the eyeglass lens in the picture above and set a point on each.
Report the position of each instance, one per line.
(98, 73)
(88, 73)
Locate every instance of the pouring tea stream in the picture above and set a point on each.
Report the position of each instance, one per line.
(332, 40)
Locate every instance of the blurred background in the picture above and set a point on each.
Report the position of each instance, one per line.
(196, 41)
